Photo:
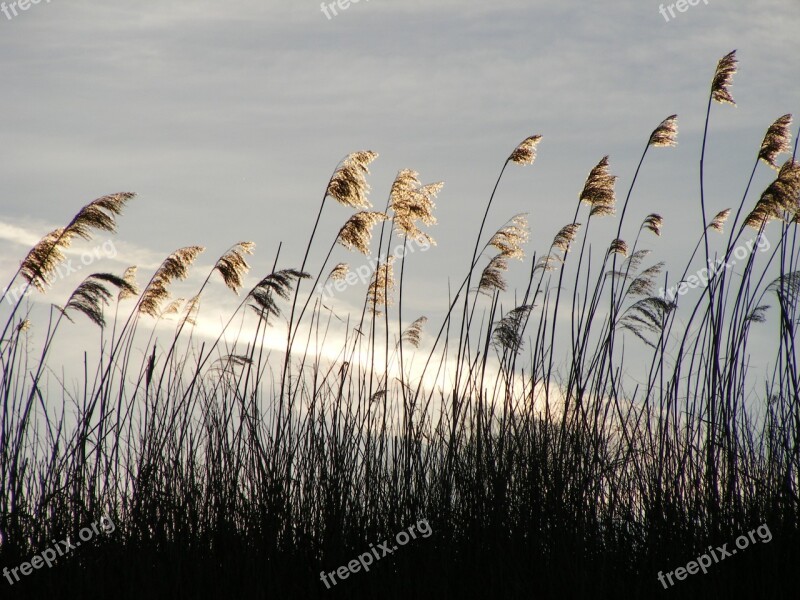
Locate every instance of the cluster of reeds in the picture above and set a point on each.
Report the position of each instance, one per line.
(515, 426)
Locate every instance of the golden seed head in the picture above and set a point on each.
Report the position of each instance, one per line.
(233, 266)
(380, 287)
(356, 233)
(175, 266)
(723, 77)
(566, 236)
(780, 197)
(618, 246)
(719, 220)
(525, 153)
(549, 262)
(666, 134)
(130, 278)
(777, 140)
(598, 191)
(509, 238)
(411, 202)
(339, 272)
(348, 185)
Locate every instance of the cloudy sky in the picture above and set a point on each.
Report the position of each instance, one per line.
(227, 118)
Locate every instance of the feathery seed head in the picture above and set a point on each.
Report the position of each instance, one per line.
(618, 246)
(130, 278)
(356, 233)
(666, 134)
(339, 272)
(776, 141)
(598, 191)
(278, 283)
(782, 195)
(566, 236)
(719, 220)
(525, 153)
(40, 263)
(411, 202)
(233, 266)
(549, 262)
(348, 185)
(509, 238)
(414, 331)
(92, 295)
(492, 276)
(175, 266)
(507, 335)
(653, 222)
(380, 287)
(723, 77)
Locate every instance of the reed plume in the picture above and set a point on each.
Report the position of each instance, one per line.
(509, 238)
(525, 153)
(507, 334)
(719, 220)
(381, 284)
(132, 290)
(598, 191)
(348, 185)
(278, 284)
(644, 283)
(339, 272)
(40, 263)
(653, 222)
(191, 310)
(723, 77)
(618, 246)
(413, 332)
(777, 140)
(173, 308)
(565, 236)
(411, 202)
(92, 295)
(666, 134)
(549, 262)
(647, 315)
(233, 266)
(781, 196)
(356, 233)
(492, 276)
(175, 266)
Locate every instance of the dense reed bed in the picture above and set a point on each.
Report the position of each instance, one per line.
(512, 425)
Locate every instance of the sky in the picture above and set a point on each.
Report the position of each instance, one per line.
(227, 119)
